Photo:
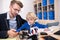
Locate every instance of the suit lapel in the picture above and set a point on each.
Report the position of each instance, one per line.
(17, 22)
(7, 21)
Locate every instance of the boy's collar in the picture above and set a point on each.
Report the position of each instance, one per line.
(30, 24)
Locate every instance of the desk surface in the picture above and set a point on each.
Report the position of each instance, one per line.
(15, 38)
(9, 39)
(39, 37)
(51, 33)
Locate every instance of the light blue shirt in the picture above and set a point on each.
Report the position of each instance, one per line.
(12, 22)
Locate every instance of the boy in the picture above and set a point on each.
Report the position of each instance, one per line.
(31, 23)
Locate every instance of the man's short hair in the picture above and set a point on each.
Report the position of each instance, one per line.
(17, 2)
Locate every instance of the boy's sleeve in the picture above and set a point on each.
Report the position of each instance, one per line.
(42, 25)
(22, 27)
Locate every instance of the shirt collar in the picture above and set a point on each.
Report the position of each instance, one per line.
(30, 24)
(8, 17)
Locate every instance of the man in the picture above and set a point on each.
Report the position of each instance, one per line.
(11, 21)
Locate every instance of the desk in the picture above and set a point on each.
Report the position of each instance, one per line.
(55, 36)
(55, 29)
(9, 39)
(16, 38)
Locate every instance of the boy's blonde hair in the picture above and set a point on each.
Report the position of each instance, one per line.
(31, 15)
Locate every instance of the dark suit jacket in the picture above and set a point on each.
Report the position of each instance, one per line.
(4, 24)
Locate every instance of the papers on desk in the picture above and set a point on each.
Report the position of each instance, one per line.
(36, 30)
(51, 30)
(40, 30)
(54, 29)
(43, 30)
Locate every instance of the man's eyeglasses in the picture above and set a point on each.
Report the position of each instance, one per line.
(16, 9)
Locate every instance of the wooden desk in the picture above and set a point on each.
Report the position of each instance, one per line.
(16, 38)
(55, 29)
(40, 36)
(9, 39)
(55, 36)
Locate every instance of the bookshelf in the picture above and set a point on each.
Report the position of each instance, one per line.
(46, 10)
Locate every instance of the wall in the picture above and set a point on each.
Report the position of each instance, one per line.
(28, 7)
(0, 5)
(59, 11)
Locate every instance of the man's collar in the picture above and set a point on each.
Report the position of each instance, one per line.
(8, 16)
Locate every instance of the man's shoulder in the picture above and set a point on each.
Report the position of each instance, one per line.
(3, 15)
(20, 18)
(26, 23)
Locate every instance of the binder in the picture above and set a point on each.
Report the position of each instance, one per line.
(51, 15)
(45, 15)
(39, 15)
(44, 2)
(51, 1)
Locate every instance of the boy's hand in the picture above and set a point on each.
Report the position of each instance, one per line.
(46, 29)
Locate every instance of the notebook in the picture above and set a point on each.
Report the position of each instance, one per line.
(57, 33)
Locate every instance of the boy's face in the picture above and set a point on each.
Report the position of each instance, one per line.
(31, 20)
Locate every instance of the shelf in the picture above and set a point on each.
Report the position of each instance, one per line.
(45, 10)
(35, 8)
(39, 4)
(51, 7)
(39, 7)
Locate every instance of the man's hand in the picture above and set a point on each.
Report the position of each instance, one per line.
(12, 33)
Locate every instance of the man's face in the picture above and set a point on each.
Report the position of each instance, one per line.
(14, 9)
